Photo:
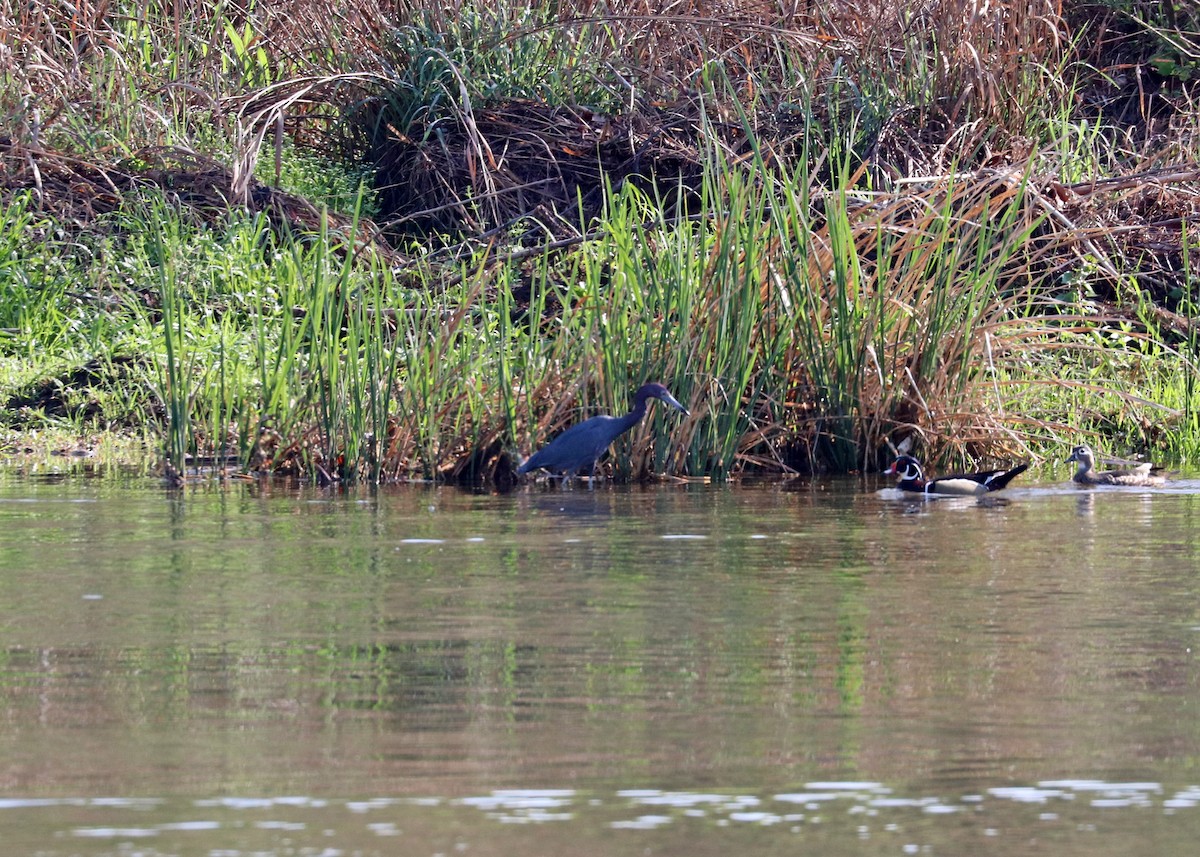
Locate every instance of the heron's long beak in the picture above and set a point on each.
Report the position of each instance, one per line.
(674, 403)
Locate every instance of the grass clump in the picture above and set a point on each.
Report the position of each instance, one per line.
(410, 242)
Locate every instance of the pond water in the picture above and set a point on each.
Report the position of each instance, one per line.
(811, 668)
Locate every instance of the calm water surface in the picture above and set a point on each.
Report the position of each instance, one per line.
(823, 668)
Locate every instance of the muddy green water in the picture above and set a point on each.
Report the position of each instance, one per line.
(812, 669)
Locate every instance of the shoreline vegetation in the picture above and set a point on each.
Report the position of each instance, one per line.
(416, 240)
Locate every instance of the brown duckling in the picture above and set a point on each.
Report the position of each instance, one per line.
(1086, 474)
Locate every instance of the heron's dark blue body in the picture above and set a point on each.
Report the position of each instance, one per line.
(579, 448)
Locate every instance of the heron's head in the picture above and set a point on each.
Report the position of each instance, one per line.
(658, 391)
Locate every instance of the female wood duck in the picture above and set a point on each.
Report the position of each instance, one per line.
(1086, 473)
(908, 471)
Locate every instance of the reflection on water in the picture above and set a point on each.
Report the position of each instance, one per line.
(691, 670)
(838, 817)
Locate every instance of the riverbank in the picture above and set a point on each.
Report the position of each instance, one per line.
(418, 245)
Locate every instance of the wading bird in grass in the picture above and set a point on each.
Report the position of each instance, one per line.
(910, 478)
(579, 448)
(1086, 473)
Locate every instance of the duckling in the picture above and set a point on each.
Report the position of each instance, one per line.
(1086, 474)
(910, 478)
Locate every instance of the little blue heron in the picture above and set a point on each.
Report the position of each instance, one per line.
(579, 447)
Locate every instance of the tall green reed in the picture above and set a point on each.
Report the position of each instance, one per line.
(175, 388)
(1171, 364)
(731, 342)
(326, 358)
(679, 302)
(1189, 307)
(789, 326)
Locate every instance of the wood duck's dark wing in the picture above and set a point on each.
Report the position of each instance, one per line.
(982, 476)
(975, 483)
(997, 479)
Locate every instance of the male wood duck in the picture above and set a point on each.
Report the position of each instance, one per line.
(908, 471)
(1086, 473)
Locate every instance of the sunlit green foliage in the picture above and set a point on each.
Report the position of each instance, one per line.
(826, 284)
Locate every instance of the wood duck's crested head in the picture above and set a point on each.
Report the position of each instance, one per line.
(1084, 455)
(906, 469)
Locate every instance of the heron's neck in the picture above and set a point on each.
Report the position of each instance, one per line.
(635, 416)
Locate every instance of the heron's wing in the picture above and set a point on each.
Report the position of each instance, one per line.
(577, 446)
